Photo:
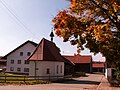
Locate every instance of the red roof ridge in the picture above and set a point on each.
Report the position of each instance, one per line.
(79, 58)
(48, 51)
(77, 55)
(98, 65)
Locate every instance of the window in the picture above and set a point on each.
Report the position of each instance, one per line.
(18, 69)
(11, 68)
(19, 61)
(61, 69)
(12, 61)
(21, 53)
(28, 53)
(26, 62)
(26, 69)
(48, 71)
(37, 69)
(57, 69)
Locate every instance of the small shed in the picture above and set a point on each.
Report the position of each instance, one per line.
(98, 67)
(83, 63)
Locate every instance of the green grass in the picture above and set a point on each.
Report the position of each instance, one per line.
(25, 83)
(19, 79)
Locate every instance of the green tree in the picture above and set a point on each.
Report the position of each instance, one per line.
(93, 23)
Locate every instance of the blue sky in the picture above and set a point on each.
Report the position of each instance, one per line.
(22, 20)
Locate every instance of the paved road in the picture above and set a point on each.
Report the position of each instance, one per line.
(104, 85)
(82, 83)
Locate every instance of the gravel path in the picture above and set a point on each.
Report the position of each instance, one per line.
(82, 83)
(104, 85)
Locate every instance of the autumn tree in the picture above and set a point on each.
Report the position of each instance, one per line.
(93, 23)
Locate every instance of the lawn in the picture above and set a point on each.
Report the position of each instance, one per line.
(20, 79)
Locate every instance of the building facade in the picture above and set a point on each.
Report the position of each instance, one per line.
(46, 61)
(17, 59)
(46, 69)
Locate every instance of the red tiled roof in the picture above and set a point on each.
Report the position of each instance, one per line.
(47, 51)
(79, 59)
(98, 65)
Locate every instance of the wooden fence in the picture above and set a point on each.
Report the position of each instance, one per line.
(25, 78)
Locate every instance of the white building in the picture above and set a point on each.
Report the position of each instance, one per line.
(43, 59)
(109, 72)
(17, 59)
(47, 61)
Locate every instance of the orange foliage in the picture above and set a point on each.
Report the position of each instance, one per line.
(91, 22)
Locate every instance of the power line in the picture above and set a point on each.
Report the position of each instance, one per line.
(11, 16)
(16, 17)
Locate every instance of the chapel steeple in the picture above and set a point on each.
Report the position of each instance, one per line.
(52, 35)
